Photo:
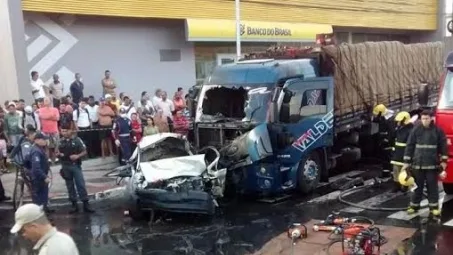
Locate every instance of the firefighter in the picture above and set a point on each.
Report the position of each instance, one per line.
(383, 117)
(403, 128)
(426, 156)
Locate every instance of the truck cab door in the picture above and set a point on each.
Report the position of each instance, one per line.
(306, 117)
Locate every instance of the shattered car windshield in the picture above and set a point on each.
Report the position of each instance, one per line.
(244, 103)
(169, 148)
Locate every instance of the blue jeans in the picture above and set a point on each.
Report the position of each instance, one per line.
(14, 140)
(76, 183)
(40, 192)
(126, 148)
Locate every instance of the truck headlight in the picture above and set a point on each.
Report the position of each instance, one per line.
(263, 170)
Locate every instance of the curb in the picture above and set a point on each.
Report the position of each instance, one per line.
(94, 198)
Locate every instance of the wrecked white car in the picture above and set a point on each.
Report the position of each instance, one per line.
(167, 175)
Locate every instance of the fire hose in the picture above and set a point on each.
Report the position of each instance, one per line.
(376, 183)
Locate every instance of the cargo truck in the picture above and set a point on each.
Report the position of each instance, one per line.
(444, 116)
(285, 117)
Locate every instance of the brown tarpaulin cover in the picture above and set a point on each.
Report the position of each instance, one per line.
(371, 73)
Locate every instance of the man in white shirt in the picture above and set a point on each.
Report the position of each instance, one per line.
(92, 109)
(81, 117)
(145, 101)
(157, 97)
(37, 87)
(32, 224)
(94, 148)
(166, 105)
(128, 106)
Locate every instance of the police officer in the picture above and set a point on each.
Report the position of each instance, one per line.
(426, 156)
(37, 162)
(71, 150)
(19, 153)
(122, 133)
(403, 128)
(383, 117)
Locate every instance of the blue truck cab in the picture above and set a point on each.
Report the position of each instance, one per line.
(272, 121)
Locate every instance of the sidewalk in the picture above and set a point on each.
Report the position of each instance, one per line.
(98, 186)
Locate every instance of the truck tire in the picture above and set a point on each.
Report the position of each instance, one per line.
(309, 173)
(448, 188)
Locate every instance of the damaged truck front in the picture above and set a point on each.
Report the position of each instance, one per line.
(236, 112)
(280, 124)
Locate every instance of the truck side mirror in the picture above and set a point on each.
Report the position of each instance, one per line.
(423, 94)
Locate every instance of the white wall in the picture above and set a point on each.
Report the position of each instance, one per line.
(129, 48)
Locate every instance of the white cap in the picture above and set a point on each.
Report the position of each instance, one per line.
(28, 109)
(107, 96)
(11, 104)
(26, 214)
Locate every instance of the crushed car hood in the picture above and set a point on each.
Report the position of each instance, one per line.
(164, 169)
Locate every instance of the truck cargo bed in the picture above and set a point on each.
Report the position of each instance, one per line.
(357, 119)
(371, 73)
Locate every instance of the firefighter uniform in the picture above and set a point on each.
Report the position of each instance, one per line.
(426, 149)
(382, 116)
(402, 131)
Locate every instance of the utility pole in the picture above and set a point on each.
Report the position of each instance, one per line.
(238, 29)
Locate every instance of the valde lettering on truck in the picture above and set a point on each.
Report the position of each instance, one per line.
(313, 134)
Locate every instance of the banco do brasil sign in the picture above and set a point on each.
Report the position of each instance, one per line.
(263, 31)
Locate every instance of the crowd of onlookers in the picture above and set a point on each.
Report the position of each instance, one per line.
(91, 117)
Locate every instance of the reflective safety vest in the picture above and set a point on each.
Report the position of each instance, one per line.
(399, 146)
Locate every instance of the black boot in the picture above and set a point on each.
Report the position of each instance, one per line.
(87, 208)
(396, 187)
(75, 208)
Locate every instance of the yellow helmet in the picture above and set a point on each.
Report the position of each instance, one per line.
(405, 117)
(380, 108)
(405, 180)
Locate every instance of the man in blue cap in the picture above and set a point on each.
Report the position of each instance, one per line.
(38, 165)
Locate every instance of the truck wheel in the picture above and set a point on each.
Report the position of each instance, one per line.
(448, 188)
(309, 173)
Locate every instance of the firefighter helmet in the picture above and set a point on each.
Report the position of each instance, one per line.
(403, 117)
(405, 180)
(379, 109)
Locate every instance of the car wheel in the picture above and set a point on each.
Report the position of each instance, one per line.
(136, 212)
(309, 172)
(448, 188)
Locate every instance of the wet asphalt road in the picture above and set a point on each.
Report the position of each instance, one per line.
(241, 227)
